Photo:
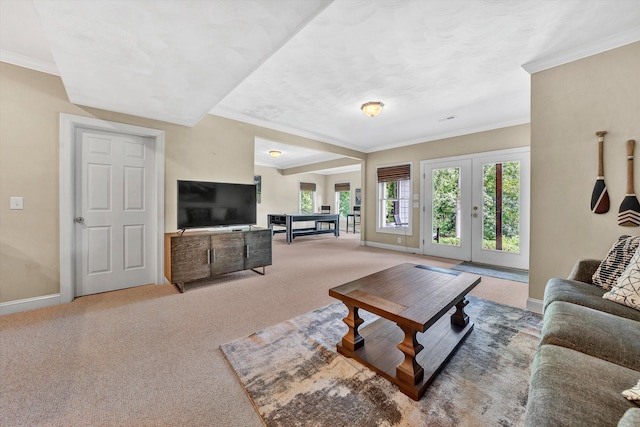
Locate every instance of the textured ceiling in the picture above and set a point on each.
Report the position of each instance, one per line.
(426, 60)
(442, 68)
(169, 60)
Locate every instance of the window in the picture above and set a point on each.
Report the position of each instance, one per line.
(394, 196)
(343, 198)
(307, 197)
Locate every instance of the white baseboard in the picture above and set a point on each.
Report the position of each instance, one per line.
(534, 305)
(17, 306)
(392, 247)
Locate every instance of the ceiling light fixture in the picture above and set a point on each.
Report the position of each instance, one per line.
(372, 109)
(275, 153)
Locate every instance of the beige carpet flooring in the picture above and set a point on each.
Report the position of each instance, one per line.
(149, 356)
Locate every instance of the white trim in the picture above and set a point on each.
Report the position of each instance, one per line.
(534, 305)
(234, 115)
(17, 306)
(584, 51)
(390, 247)
(68, 125)
(451, 134)
(28, 62)
(506, 151)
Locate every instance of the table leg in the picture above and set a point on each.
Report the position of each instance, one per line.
(409, 371)
(289, 225)
(352, 340)
(460, 318)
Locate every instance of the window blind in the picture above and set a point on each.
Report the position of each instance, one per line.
(345, 186)
(307, 186)
(394, 173)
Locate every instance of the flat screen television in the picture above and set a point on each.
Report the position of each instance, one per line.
(204, 204)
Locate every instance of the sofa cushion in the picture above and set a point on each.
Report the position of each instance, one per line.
(631, 418)
(627, 288)
(593, 332)
(569, 388)
(586, 295)
(616, 261)
(584, 269)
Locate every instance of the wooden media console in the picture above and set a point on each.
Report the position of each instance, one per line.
(200, 255)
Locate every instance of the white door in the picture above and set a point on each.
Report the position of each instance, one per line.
(447, 187)
(115, 211)
(478, 208)
(500, 212)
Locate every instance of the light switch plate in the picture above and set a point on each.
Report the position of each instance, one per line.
(16, 203)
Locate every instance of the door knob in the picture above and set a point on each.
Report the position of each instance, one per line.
(79, 220)
(475, 214)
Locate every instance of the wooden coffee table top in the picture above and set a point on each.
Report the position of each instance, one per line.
(412, 340)
(408, 294)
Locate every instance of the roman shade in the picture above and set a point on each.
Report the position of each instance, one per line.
(344, 186)
(307, 186)
(394, 173)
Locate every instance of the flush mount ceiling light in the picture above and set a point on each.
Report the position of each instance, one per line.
(275, 153)
(372, 109)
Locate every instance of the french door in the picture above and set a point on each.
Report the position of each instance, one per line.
(477, 208)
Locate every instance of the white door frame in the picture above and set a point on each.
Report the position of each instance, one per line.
(68, 125)
(425, 232)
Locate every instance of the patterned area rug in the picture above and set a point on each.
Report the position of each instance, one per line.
(294, 376)
(493, 271)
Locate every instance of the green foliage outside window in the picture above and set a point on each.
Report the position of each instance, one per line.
(306, 201)
(390, 192)
(510, 206)
(344, 205)
(446, 198)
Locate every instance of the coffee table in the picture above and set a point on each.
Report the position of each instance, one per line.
(413, 339)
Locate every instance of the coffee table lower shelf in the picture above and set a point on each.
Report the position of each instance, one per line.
(381, 354)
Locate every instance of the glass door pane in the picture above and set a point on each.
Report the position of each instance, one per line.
(501, 206)
(447, 211)
(446, 201)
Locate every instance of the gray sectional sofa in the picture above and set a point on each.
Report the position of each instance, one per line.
(589, 353)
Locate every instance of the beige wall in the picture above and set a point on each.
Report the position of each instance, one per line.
(216, 149)
(280, 192)
(353, 178)
(569, 104)
(499, 139)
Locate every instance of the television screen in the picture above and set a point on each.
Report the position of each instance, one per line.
(214, 204)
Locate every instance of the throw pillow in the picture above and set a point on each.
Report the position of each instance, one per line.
(633, 393)
(627, 288)
(616, 261)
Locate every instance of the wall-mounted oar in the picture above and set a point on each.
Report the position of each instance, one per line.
(629, 213)
(600, 196)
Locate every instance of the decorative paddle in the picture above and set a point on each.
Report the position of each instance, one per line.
(600, 196)
(629, 213)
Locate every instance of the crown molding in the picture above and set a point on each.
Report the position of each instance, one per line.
(621, 39)
(233, 115)
(28, 62)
